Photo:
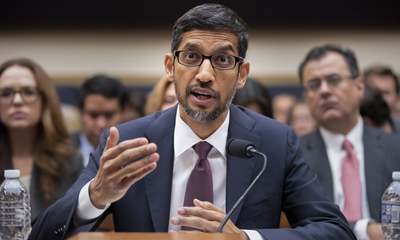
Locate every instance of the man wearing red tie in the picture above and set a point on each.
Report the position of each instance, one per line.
(170, 171)
(353, 162)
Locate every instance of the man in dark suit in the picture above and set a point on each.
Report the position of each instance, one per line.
(102, 99)
(333, 91)
(383, 79)
(151, 173)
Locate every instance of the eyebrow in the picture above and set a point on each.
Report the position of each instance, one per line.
(221, 48)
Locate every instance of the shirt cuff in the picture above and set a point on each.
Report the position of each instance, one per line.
(361, 228)
(86, 210)
(253, 235)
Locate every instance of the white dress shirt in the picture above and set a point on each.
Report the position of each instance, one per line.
(333, 143)
(85, 147)
(185, 159)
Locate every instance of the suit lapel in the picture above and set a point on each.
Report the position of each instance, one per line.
(315, 152)
(240, 171)
(373, 153)
(158, 183)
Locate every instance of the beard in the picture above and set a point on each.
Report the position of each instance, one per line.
(204, 116)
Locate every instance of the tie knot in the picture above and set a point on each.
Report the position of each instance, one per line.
(202, 149)
(347, 146)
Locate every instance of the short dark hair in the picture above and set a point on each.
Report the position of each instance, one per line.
(319, 52)
(213, 17)
(254, 92)
(382, 70)
(105, 86)
(374, 107)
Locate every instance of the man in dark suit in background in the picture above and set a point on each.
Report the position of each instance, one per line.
(101, 102)
(170, 170)
(384, 80)
(353, 162)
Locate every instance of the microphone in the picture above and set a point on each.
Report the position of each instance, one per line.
(244, 149)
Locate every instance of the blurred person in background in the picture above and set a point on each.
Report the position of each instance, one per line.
(385, 80)
(396, 110)
(254, 96)
(300, 119)
(375, 111)
(281, 104)
(33, 137)
(102, 101)
(72, 118)
(162, 96)
(134, 105)
(353, 162)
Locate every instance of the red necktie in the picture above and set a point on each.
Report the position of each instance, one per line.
(200, 184)
(351, 183)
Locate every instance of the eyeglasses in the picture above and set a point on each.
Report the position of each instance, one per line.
(106, 114)
(28, 94)
(333, 80)
(220, 61)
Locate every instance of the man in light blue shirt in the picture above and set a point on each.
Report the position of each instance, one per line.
(101, 102)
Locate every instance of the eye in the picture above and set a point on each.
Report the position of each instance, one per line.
(314, 84)
(109, 115)
(190, 56)
(29, 91)
(223, 58)
(333, 79)
(6, 92)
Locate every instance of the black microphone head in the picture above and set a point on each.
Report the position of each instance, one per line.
(239, 148)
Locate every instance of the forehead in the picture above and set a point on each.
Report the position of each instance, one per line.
(17, 76)
(99, 102)
(382, 80)
(331, 63)
(208, 41)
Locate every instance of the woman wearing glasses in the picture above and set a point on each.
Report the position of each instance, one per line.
(33, 137)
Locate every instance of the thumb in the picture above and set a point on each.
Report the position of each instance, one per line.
(113, 138)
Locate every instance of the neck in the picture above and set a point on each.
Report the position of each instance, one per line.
(341, 127)
(93, 141)
(22, 141)
(203, 129)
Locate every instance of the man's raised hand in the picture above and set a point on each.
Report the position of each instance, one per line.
(121, 165)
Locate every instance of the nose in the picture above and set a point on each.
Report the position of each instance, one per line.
(206, 72)
(101, 122)
(324, 88)
(17, 98)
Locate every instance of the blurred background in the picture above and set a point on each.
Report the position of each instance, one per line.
(73, 39)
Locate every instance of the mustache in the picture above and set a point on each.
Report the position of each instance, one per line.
(190, 88)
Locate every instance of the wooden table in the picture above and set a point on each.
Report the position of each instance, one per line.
(156, 236)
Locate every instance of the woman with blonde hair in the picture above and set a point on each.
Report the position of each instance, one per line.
(33, 137)
(162, 96)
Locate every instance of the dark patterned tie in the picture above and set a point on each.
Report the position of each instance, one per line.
(200, 184)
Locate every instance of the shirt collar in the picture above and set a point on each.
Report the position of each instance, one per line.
(336, 140)
(185, 138)
(84, 142)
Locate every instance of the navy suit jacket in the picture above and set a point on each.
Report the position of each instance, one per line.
(381, 158)
(288, 185)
